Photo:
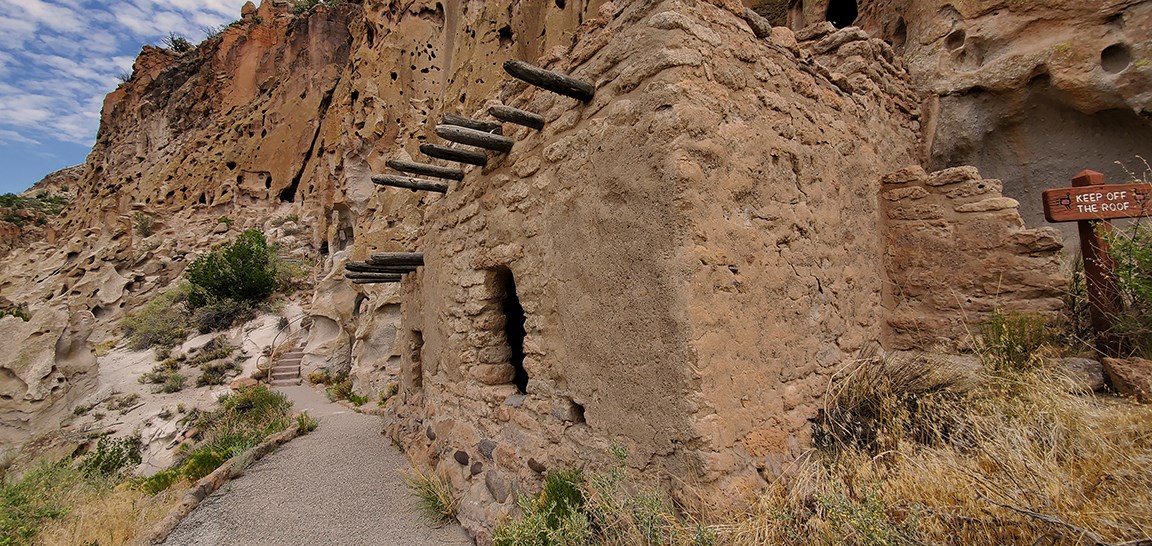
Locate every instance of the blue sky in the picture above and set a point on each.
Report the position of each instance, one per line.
(59, 58)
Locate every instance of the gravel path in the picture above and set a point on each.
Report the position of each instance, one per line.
(338, 485)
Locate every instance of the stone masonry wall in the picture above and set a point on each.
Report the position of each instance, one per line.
(956, 250)
(695, 251)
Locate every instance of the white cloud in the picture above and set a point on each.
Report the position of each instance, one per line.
(58, 58)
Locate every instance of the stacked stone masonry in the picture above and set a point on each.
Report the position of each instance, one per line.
(957, 250)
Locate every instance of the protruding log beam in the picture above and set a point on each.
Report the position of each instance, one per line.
(517, 116)
(486, 126)
(374, 281)
(397, 258)
(410, 183)
(552, 81)
(470, 157)
(372, 277)
(472, 137)
(361, 267)
(425, 169)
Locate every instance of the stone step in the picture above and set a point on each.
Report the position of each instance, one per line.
(285, 382)
(288, 362)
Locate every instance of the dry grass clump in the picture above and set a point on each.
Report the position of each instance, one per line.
(433, 495)
(920, 452)
(109, 516)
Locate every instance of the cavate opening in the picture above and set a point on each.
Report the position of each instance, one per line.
(513, 327)
(1115, 58)
(841, 13)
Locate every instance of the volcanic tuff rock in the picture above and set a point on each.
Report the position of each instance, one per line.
(1030, 92)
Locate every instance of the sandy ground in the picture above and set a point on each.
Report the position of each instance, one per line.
(341, 484)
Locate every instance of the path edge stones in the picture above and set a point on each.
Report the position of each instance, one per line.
(210, 483)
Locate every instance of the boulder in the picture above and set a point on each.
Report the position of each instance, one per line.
(1130, 377)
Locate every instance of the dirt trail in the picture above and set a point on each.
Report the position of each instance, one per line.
(337, 485)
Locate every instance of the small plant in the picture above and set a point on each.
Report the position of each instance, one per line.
(300, 7)
(173, 383)
(216, 373)
(20, 312)
(111, 456)
(555, 516)
(124, 77)
(306, 423)
(159, 481)
(161, 322)
(226, 220)
(176, 43)
(145, 224)
(123, 402)
(434, 495)
(213, 31)
(1012, 341)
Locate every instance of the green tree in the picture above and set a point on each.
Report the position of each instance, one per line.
(242, 271)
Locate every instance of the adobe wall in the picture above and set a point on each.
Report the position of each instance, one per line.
(695, 251)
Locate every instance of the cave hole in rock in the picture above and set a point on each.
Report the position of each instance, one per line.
(1115, 58)
(841, 13)
(505, 33)
(514, 330)
(231, 165)
(99, 312)
(560, 4)
(796, 18)
(358, 306)
(900, 35)
(955, 39)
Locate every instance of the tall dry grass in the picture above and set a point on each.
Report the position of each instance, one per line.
(923, 452)
(109, 517)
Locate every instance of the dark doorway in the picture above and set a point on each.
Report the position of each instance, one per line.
(842, 13)
(513, 327)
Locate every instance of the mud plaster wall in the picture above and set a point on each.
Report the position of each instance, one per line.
(695, 250)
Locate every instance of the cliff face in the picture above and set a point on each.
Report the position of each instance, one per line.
(1030, 92)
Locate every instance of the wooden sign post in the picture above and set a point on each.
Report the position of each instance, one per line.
(1091, 204)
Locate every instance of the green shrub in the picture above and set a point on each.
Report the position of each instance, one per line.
(173, 383)
(28, 503)
(216, 373)
(243, 271)
(1132, 251)
(201, 463)
(162, 322)
(554, 517)
(111, 457)
(159, 481)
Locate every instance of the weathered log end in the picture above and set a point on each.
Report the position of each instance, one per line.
(485, 126)
(424, 169)
(515, 115)
(410, 183)
(552, 81)
(472, 137)
(469, 157)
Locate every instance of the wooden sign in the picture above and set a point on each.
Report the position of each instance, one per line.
(1098, 202)
(1090, 202)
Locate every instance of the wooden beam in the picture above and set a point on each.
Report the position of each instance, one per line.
(470, 157)
(372, 277)
(552, 81)
(517, 116)
(486, 126)
(426, 170)
(361, 267)
(472, 137)
(374, 281)
(397, 258)
(410, 183)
